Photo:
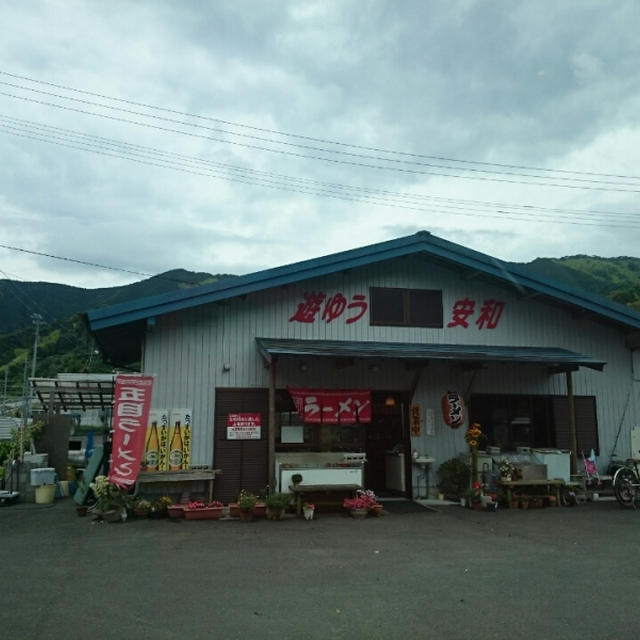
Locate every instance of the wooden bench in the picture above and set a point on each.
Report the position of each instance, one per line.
(554, 485)
(190, 475)
(310, 490)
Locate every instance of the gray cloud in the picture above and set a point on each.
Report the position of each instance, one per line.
(534, 83)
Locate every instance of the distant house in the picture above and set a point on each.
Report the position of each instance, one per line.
(373, 351)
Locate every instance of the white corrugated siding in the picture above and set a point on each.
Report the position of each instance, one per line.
(187, 351)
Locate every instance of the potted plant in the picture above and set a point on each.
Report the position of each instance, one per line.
(198, 510)
(308, 509)
(360, 505)
(453, 478)
(246, 503)
(111, 501)
(506, 470)
(473, 496)
(142, 507)
(160, 506)
(276, 505)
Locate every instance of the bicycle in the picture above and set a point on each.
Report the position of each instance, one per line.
(626, 484)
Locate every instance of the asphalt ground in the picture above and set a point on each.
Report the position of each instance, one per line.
(553, 573)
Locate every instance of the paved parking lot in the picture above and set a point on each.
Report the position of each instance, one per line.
(545, 573)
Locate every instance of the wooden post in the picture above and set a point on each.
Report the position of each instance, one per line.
(573, 440)
(272, 424)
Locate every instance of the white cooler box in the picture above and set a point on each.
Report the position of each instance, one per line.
(43, 475)
(558, 462)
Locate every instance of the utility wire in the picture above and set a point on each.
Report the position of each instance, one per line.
(615, 186)
(158, 158)
(93, 140)
(312, 139)
(91, 264)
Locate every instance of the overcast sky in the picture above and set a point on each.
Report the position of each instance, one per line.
(230, 137)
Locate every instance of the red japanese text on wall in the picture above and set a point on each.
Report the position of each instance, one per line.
(317, 305)
(325, 406)
(487, 317)
(131, 402)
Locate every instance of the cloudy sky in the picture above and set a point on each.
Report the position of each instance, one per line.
(237, 135)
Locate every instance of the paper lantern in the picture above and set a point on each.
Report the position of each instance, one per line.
(453, 409)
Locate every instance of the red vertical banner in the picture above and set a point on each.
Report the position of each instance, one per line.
(131, 402)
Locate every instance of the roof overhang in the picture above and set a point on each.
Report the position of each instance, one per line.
(74, 393)
(553, 357)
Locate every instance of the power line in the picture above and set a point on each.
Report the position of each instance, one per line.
(314, 139)
(91, 264)
(616, 186)
(155, 157)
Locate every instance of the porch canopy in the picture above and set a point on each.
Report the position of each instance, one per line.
(558, 360)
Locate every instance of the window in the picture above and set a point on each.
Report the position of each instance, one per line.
(300, 436)
(405, 307)
(509, 421)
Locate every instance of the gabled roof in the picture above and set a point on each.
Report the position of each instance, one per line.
(127, 320)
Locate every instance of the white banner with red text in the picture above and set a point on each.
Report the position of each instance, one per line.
(332, 406)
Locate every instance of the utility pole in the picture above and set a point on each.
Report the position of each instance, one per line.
(37, 320)
(4, 390)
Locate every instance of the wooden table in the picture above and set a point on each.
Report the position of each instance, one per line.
(191, 475)
(300, 490)
(555, 485)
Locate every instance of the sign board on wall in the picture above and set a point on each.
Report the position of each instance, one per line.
(179, 439)
(414, 420)
(332, 406)
(244, 426)
(168, 440)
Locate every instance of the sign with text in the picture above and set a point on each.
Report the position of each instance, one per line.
(131, 402)
(243, 426)
(332, 406)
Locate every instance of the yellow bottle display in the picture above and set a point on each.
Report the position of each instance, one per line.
(152, 450)
(175, 449)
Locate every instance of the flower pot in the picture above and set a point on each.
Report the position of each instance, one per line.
(81, 510)
(175, 511)
(234, 511)
(260, 510)
(515, 504)
(358, 514)
(246, 515)
(376, 510)
(112, 515)
(275, 513)
(141, 513)
(203, 513)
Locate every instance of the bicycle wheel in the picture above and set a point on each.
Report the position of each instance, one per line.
(623, 486)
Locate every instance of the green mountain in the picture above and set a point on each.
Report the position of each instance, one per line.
(615, 278)
(64, 345)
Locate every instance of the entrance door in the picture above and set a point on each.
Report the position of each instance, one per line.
(383, 435)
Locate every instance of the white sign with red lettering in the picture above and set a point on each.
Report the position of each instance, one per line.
(243, 426)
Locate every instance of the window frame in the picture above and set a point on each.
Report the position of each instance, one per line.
(437, 321)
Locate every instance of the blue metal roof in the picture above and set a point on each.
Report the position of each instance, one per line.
(550, 356)
(420, 243)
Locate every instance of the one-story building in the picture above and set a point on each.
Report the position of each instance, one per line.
(357, 363)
